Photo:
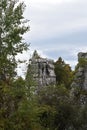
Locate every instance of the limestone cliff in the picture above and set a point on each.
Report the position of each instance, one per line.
(42, 70)
(79, 85)
(81, 72)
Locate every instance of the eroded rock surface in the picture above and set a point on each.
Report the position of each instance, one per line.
(43, 70)
(80, 80)
(81, 73)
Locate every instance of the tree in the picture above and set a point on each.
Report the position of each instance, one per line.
(56, 110)
(12, 27)
(22, 110)
(64, 74)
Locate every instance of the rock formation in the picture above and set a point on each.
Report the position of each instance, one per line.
(42, 70)
(79, 85)
(81, 72)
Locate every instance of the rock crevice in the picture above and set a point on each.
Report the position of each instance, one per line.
(43, 70)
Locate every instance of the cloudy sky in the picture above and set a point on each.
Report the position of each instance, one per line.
(57, 28)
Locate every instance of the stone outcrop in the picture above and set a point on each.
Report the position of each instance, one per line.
(79, 85)
(81, 72)
(42, 70)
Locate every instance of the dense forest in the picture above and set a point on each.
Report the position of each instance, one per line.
(55, 107)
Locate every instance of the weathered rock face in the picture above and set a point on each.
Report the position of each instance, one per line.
(80, 81)
(43, 70)
(82, 55)
(81, 74)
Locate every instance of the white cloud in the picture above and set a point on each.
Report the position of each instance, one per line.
(47, 19)
(50, 1)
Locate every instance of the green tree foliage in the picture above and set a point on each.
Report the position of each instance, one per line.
(18, 107)
(12, 27)
(82, 62)
(64, 74)
(30, 82)
(79, 99)
(12, 94)
(20, 113)
(56, 110)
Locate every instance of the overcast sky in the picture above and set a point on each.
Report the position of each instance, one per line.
(57, 28)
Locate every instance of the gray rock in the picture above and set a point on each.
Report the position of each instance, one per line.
(82, 55)
(81, 74)
(80, 69)
(43, 70)
(80, 80)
